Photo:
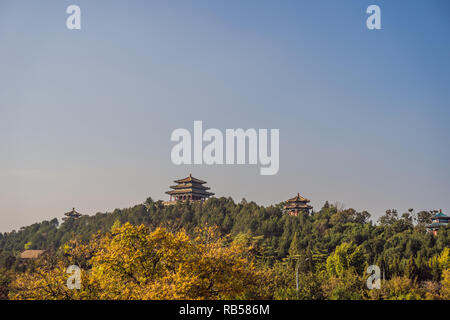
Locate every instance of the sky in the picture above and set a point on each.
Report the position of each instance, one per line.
(86, 115)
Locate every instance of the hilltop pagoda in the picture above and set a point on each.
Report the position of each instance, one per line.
(438, 221)
(297, 205)
(72, 215)
(189, 188)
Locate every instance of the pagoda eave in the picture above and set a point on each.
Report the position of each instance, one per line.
(181, 192)
(186, 186)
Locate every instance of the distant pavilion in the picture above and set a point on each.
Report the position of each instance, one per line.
(297, 205)
(189, 188)
(72, 215)
(438, 221)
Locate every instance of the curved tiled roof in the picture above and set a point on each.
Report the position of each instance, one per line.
(73, 213)
(190, 179)
(441, 215)
(189, 185)
(437, 225)
(298, 198)
(193, 191)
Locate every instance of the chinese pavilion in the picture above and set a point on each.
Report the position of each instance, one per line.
(438, 221)
(72, 215)
(297, 205)
(189, 188)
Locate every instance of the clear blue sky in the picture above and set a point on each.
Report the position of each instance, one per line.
(86, 116)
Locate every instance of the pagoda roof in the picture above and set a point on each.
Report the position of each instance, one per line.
(298, 198)
(72, 213)
(190, 191)
(190, 179)
(297, 204)
(441, 215)
(190, 185)
(437, 225)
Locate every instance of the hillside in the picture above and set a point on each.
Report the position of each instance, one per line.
(399, 245)
(395, 239)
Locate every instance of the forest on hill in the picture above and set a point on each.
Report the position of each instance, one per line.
(226, 250)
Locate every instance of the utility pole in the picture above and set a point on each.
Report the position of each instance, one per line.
(296, 270)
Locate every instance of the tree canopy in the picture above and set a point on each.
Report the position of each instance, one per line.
(225, 250)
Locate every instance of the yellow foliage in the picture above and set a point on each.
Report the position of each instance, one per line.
(398, 288)
(445, 283)
(133, 263)
(441, 261)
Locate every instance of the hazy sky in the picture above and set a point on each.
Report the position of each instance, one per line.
(86, 116)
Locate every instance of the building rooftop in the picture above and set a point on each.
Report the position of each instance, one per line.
(298, 198)
(190, 179)
(189, 190)
(441, 215)
(72, 215)
(31, 254)
(189, 185)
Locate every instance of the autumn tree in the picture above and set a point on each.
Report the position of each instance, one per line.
(131, 262)
(346, 257)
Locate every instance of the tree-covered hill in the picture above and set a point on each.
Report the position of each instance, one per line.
(395, 243)
(331, 248)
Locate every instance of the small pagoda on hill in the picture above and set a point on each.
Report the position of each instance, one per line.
(438, 221)
(189, 188)
(297, 205)
(72, 215)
